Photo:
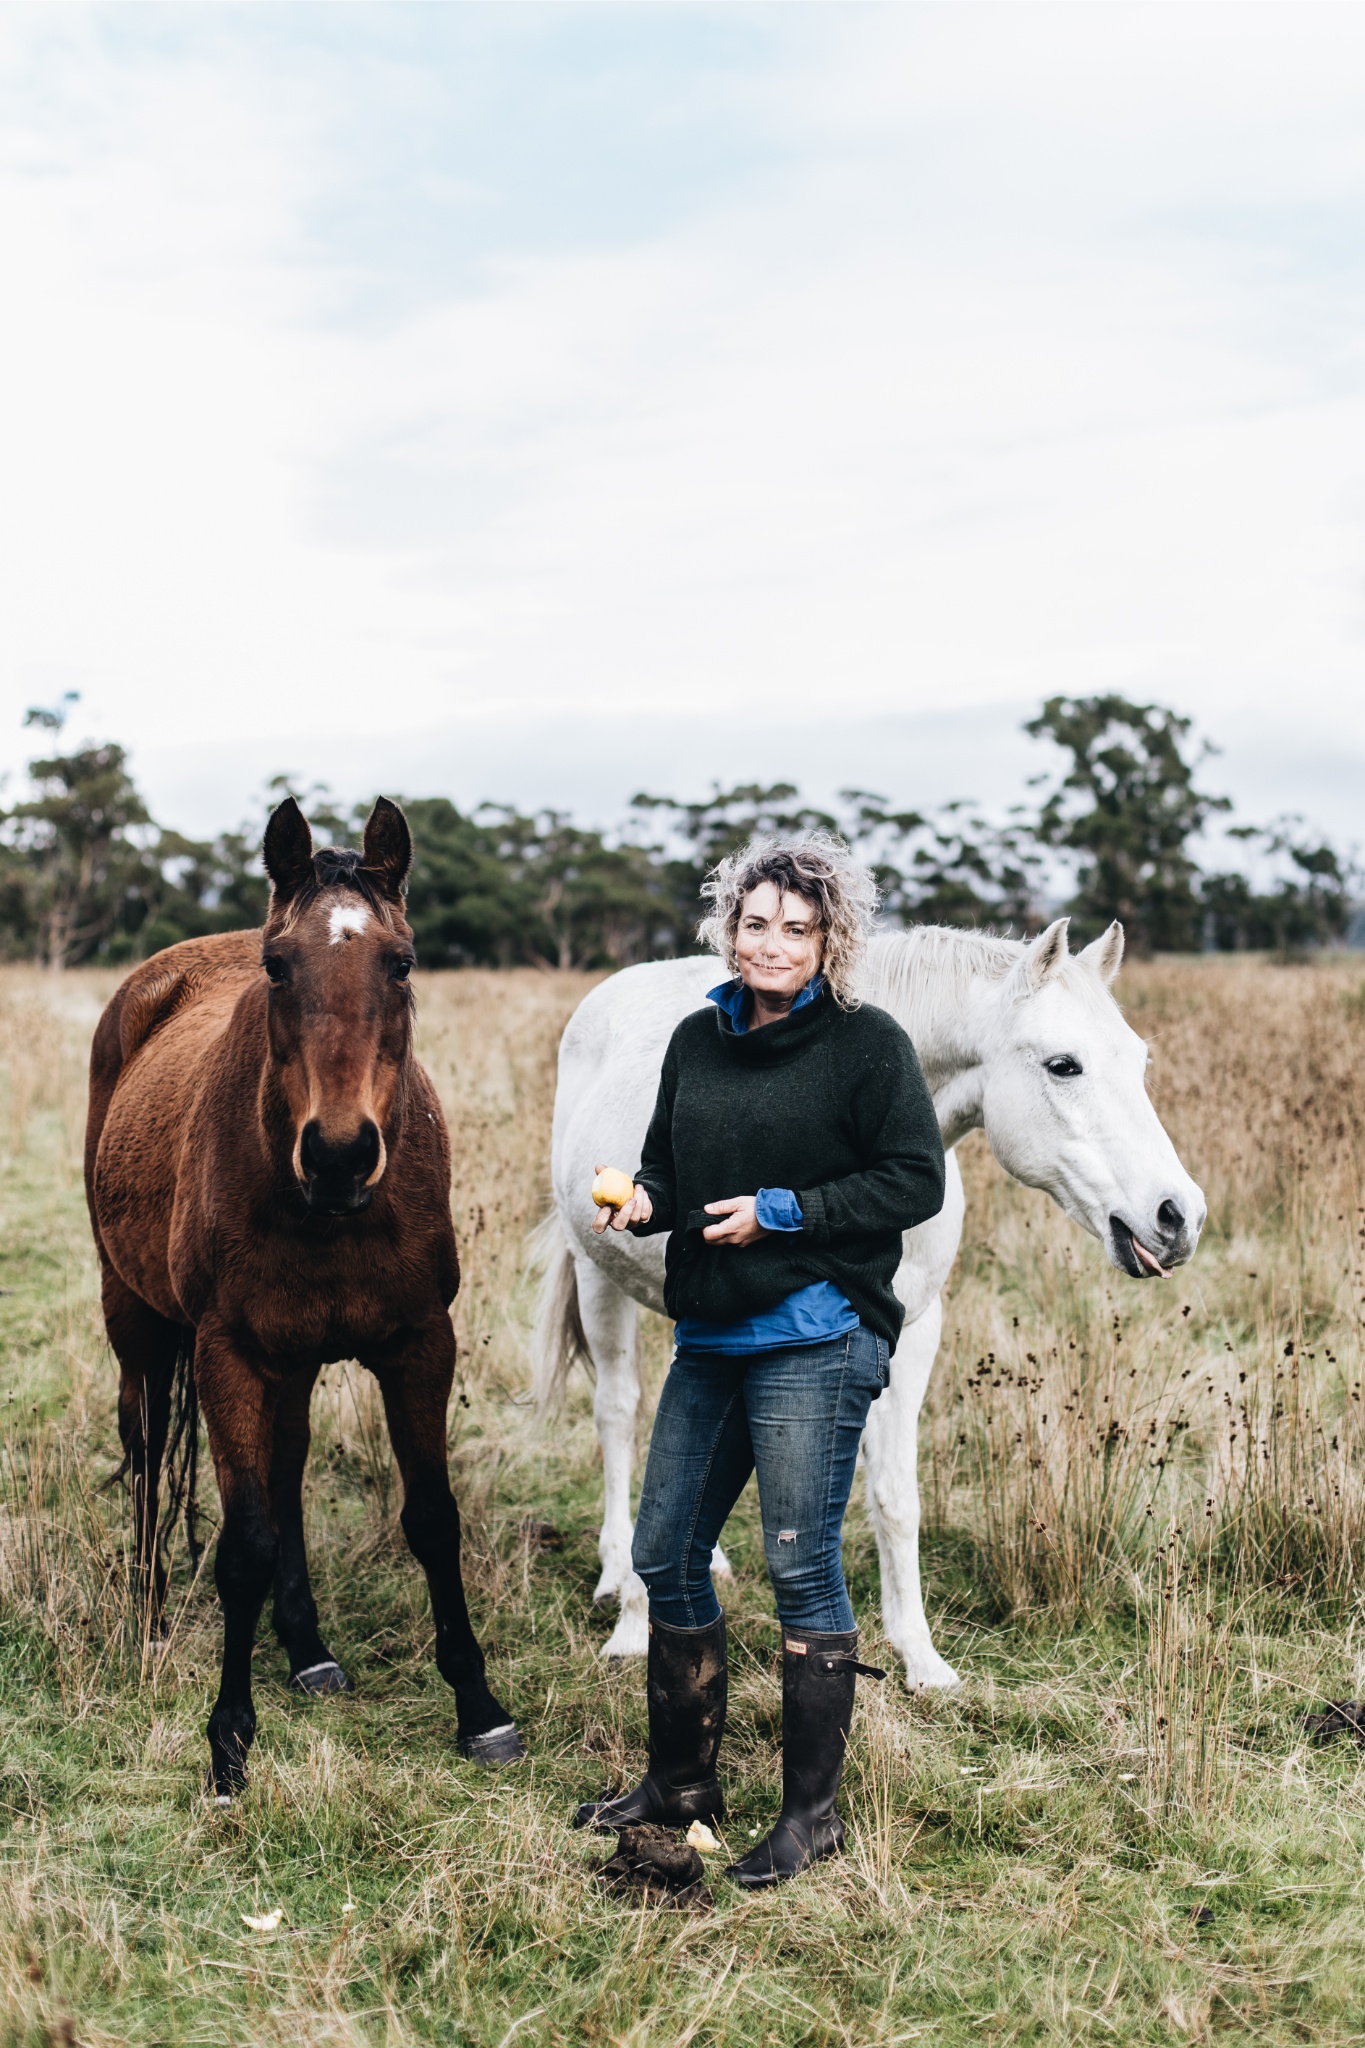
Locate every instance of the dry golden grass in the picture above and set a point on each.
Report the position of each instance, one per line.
(1026, 1855)
(1092, 1410)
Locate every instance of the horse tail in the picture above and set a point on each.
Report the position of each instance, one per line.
(558, 1342)
(182, 1453)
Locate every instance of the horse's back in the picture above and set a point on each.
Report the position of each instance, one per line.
(145, 1064)
(609, 1061)
(198, 979)
(611, 1053)
(637, 1007)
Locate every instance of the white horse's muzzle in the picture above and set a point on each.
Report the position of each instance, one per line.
(1151, 1250)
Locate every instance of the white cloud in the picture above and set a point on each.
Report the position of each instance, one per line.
(1024, 360)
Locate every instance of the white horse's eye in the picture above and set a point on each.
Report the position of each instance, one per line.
(1063, 1067)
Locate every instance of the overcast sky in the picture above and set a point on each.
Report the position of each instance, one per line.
(539, 403)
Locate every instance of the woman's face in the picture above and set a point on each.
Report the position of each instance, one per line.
(779, 944)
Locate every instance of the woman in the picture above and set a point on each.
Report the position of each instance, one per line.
(792, 1142)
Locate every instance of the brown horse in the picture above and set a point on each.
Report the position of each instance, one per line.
(268, 1175)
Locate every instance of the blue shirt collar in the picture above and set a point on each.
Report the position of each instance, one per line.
(733, 998)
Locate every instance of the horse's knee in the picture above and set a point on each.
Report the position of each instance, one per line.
(144, 1404)
(248, 1551)
(287, 1464)
(431, 1524)
(132, 1420)
(615, 1404)
(895, 1514)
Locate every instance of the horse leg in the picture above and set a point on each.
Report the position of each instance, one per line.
(312, 1667)
(415, 1377)
(609, 1319)
(890, 1448)
(238, 1407)
(146, 1346)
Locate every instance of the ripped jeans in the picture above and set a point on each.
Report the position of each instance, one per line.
(794, 1417)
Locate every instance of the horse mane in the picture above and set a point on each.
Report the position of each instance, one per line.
(337, 867)
(897, 962)
(900, 965)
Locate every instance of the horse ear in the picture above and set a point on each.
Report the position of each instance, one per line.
(1044, 955)
(1105, 954)
(388, 848)
(288, 851)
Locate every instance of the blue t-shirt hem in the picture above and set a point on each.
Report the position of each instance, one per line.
(810, 1315)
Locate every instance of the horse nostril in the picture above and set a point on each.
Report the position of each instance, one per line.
(365, 1151)
(1171, 1217)
(355, 1159)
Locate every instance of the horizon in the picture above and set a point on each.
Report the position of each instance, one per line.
(591, 785)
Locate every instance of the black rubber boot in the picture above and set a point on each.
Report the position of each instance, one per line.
(819, 1673)
(687, 1688)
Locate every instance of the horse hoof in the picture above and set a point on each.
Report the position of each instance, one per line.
(317, 1679)
(222, 1793)
(496, 1746)
(926, 1671)
(629, 1638)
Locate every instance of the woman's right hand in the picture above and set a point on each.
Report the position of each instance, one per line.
(638, 1209)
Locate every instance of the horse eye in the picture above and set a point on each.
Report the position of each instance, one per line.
(1063, 1068)
(275, 969)
(401, 969)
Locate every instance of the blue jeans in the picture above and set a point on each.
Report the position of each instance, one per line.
(794, 1417)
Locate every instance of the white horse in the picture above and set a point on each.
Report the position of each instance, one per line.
(1021, 1039)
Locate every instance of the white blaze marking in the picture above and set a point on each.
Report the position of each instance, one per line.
(346, 917)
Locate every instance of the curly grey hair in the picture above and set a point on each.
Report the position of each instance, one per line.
(818, 868)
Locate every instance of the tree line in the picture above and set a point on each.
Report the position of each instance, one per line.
(86, 873)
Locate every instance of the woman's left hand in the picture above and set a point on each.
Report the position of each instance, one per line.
(741, 1225)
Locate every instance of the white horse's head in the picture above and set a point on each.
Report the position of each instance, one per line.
(1066, 1107)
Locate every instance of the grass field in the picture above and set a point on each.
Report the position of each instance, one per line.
(1145, 1511)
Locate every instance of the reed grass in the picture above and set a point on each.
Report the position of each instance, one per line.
(1143, 1533)
(1184, 1676)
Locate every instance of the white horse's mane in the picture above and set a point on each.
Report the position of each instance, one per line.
(898, 961)
(934, 966)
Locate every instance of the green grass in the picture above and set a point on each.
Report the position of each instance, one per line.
(1017, 1871)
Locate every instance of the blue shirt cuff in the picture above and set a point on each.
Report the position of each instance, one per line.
(778, 1209)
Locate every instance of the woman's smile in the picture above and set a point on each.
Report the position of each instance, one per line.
(778, 949)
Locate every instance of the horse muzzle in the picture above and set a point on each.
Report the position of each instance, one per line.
(339, 1179)
(1152, 1250)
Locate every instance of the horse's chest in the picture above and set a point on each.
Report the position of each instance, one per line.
(338, 1301)
(322, 1321)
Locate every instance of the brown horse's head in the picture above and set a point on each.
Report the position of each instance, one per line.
(337, 952)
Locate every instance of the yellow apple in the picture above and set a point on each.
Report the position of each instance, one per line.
(612, 1189)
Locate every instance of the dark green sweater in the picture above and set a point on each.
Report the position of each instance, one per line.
(828, 1102)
